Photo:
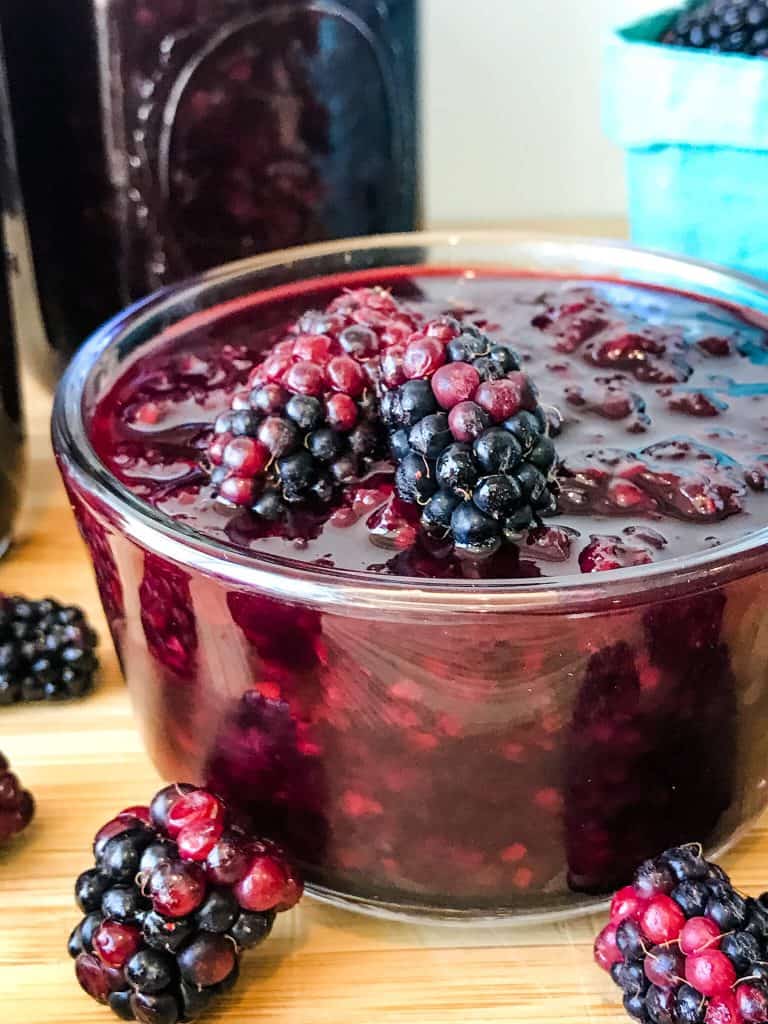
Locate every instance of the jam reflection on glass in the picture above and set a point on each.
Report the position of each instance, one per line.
(11, 418)
(11, 423)
(496, 761)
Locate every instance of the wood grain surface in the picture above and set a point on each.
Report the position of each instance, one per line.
(84, 761)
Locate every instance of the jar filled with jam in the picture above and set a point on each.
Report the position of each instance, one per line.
(157, 138)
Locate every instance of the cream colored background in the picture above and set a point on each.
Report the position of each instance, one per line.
(512, 111)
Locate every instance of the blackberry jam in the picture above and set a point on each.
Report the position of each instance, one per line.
(186, 133)
(429, 733)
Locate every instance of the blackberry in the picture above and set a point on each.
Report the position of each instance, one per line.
(684, 946)
(150, 971)
(686, 863)
(307, 421)
(726, 908)
(689, 1005)
(175, 896)
(46, 651)
(121, 856)
(691, 897)
(759, 971)
(634, 1004)
(663, 966)
(436, 514)
(660, 1005)
(17, 806)
(741, 948)
(630, 940)
(729, 26)
(219, 912)
(250, 929)
(653, 877)
(757, 919)
(415, 478)
(120, 1004)
(468, 437)
(124, 903)
(164, 933)
(90, 888)
(752, 1001)
(629, 975)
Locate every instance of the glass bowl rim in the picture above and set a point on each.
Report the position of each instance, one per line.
(307, 583)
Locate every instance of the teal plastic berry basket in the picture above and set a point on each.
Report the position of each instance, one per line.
(694, 126)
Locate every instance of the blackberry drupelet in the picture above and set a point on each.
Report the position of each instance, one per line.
(684, 946)
(468, 436)
(177, 892)
(307, 423)
(729, 26)
(46, 651)
(17, 807)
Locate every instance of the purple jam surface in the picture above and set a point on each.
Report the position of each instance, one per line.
(664, 442)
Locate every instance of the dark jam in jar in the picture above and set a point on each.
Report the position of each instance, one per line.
(490, 761)
(186, 133)
(663, 401)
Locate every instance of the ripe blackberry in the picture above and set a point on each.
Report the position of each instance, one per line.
(177, 892)
(307, 422)
(730, 26)
(696, 960)
(46, 651)
(468, 436)
(17, 807)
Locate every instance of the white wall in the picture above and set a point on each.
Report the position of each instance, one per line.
(512, 109)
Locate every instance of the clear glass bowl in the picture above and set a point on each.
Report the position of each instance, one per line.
(551, 734)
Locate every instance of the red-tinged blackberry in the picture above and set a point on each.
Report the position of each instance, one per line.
(308, 422)
(677, 964)
(17, 806)
(179, 889)
(468, 436)
(752, 1001)
(664, 966)
(697, 934)
(730, 26)
(46, 651)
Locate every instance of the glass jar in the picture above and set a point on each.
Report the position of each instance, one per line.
(11, 287)
(157, 139)
(463, 749)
